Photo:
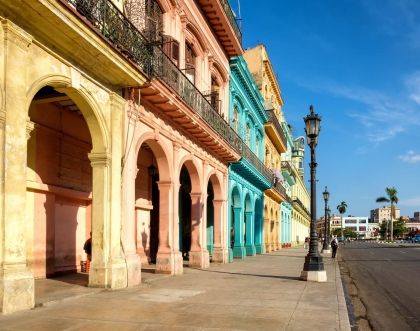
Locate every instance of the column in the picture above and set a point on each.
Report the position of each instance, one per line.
(129, 227)
(220, 251)
(168, 260)
(108, 268)
(238, 247)
(249, 223)
(16, 279)
(199, 256)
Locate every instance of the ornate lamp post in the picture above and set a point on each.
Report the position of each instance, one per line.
(313, 268)
(326, 246)
(329, 224)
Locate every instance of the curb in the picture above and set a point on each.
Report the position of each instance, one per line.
(343, 314)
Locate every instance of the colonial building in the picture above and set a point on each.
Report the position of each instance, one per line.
(114, 124)
(249, 178)
(288, 182)
(275, 142)
(301, 217)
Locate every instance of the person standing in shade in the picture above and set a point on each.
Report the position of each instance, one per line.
(334, 246)
(88, 248)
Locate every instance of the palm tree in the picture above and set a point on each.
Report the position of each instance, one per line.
(342, 207)
(392, 198)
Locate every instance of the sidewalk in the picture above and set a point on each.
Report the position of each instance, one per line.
(259, 293)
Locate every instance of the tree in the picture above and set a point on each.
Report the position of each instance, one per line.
(399, 228)
(392, 198)
(342, 207)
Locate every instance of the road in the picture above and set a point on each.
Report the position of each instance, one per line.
(388, 282)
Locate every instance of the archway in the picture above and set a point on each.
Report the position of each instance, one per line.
(237, 225)
(59, 186)
(210, 218)
(259, 226)
(249, 226)
(184, 211)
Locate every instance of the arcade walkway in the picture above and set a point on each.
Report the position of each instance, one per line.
(259, 293)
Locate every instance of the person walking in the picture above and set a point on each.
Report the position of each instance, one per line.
(87, 247)
(334, 246)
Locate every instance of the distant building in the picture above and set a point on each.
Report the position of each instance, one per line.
(379, 215)
(361, 225)
(416, 216)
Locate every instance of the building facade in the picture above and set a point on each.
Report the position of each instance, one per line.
(275, 142)
(301, 217)
(378, 215)
(248, 178)
(136, 154)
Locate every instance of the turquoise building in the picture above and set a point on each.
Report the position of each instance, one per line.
(249, 177)
(288, 182)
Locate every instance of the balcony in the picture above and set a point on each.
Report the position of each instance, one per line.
(249, 156)
(168, 89)
(275, 132)
(200, 119)
(222, 20)
(279, 188)
(297, 202)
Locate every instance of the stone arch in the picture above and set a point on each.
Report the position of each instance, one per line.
(161, 153)
(195, 38)
(96, 195)
(192, 168)
(85, 102)
(219, 72)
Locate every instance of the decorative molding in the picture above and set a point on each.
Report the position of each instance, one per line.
(29, 128)
(16, 35)
(2, 117)
(99, 159)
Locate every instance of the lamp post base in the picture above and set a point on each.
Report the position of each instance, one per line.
(314, 276)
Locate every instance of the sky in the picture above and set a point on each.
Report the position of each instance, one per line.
(358, 63)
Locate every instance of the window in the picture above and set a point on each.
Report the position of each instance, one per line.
(171, 49)
(235, 118)
(248, 135)
(189, 63)
(257, 146)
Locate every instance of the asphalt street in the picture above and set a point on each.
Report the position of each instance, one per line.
(387, 278)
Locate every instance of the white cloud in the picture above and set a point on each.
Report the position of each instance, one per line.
(384, 116)
(410, 157)
(410, 202)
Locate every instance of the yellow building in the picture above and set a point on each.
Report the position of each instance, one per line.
(301, 217)
(275, 141)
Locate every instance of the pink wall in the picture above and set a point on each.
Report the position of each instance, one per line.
(62, 194)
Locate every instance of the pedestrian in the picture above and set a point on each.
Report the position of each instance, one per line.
(88, 248)
(306, 243)
(334, 246)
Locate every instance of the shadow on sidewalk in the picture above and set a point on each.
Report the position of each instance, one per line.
(252, 275)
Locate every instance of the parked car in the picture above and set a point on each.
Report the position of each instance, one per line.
(416, 238)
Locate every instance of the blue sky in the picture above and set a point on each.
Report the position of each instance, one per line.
(358, 63)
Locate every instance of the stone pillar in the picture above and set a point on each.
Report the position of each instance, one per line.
(238, 247)
(16, 280)
(108, 268)
(199, 255)
(220, 251)
(168, 260)
(249, 222)
(267, 235)
(129, 228)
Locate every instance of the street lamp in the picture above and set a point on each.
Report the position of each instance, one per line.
(313, 268)
(326, 246)
(329, 224)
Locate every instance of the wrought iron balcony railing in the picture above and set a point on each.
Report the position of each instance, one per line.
(111, 23)
(275, 121)
(249, 155)
(300, 203)
(107, 20)
(229, 13)
(164, 69)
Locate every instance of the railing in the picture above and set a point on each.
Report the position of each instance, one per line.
(285, 165)
(108, 20)
(275, 121)
(229, 13)
(249, 155)
(111, 23)
(164, 69)
(300, 203)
